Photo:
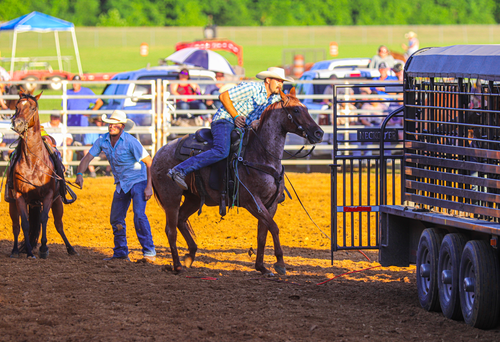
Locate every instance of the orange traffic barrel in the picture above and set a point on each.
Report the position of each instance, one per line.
(298, 66)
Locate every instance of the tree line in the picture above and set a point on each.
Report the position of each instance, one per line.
(259, 12)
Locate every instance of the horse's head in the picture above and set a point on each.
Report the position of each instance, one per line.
(299, 120)
(26, 112)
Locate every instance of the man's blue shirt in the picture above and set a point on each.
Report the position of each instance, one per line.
(249, 100)
(79, 104)
(125, 159)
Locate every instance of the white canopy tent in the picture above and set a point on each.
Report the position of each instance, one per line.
(39, 22)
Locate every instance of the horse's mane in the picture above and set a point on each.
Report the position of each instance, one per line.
(267, 111)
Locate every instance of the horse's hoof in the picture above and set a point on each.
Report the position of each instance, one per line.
(280, 269)
(178, 270)
(31, 257)
(14, 255)
(71, 251)
(43, 255)
(267, 273)
(188, 261)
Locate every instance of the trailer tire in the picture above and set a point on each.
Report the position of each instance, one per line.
(479, 285)
(30, 86)
(427, 267)
(450, 255)
(56, 82)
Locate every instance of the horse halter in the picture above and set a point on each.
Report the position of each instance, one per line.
(27, 121)
(290, 117)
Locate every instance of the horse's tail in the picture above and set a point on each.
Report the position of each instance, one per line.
(35, 213)
(158, 199)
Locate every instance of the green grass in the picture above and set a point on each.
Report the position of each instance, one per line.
(117, 49)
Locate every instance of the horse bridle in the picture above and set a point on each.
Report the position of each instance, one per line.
(290, 117)
(33, 112)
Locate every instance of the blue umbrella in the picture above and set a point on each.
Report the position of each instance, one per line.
(205, 59)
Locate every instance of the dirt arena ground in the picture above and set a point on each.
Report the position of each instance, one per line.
(222, 297)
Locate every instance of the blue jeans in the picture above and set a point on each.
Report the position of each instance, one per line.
(119, 207)
(221, 130)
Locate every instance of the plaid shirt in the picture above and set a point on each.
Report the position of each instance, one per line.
(249, 100)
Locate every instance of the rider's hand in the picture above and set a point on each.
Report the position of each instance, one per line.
(255, 124)
(240, 121)
(79, 180)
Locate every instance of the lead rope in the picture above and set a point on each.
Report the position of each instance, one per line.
(305, 207)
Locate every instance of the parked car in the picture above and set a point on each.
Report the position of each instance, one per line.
(136, 91)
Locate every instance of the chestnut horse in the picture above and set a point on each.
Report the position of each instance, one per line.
(35, 188)
(259, 184)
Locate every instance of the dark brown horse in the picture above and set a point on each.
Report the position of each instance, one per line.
(258, 186)
(35, 188)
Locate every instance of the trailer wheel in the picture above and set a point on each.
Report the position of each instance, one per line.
(427, 267)
(30, 86)
(479, 285)
(450, 255)
(55, 82)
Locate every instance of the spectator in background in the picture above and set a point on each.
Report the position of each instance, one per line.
(4, 76)
(59, 137)
(81, 120)
(398, 71)
(382, 56)
(90, 138)
(213, 89)
(187, 88)
(413, 44)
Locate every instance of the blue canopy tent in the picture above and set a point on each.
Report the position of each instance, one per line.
(39, 22)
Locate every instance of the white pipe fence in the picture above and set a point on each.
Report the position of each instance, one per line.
(161, 107)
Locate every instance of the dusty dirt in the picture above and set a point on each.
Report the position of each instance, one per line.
(221, 298)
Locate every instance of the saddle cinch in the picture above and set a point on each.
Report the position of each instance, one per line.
(221, 173)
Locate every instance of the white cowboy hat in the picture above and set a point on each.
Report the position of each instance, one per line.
(274, 72)
(119, 116)
(410, 34)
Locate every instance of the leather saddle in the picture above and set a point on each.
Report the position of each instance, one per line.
(221, 174)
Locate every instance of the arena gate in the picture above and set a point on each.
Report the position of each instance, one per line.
(367, 156)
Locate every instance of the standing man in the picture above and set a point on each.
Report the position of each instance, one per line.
(131, 166)
(81, 120)
(242, 105)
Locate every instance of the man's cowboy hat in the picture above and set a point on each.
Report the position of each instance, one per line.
(410, 34)
(119, 116)
(274, 72)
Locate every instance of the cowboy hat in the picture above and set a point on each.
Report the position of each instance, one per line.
(119, 116)
(274, 72)
(410, 34)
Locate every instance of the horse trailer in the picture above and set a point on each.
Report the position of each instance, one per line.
(436, 204)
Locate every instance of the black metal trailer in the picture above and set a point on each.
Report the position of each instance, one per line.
(446, 218)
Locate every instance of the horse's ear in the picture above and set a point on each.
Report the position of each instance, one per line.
(292, 91)
(38, 96)
(21, 91)
(282, 94)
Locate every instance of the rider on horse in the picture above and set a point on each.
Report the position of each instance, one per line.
(241, 105)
